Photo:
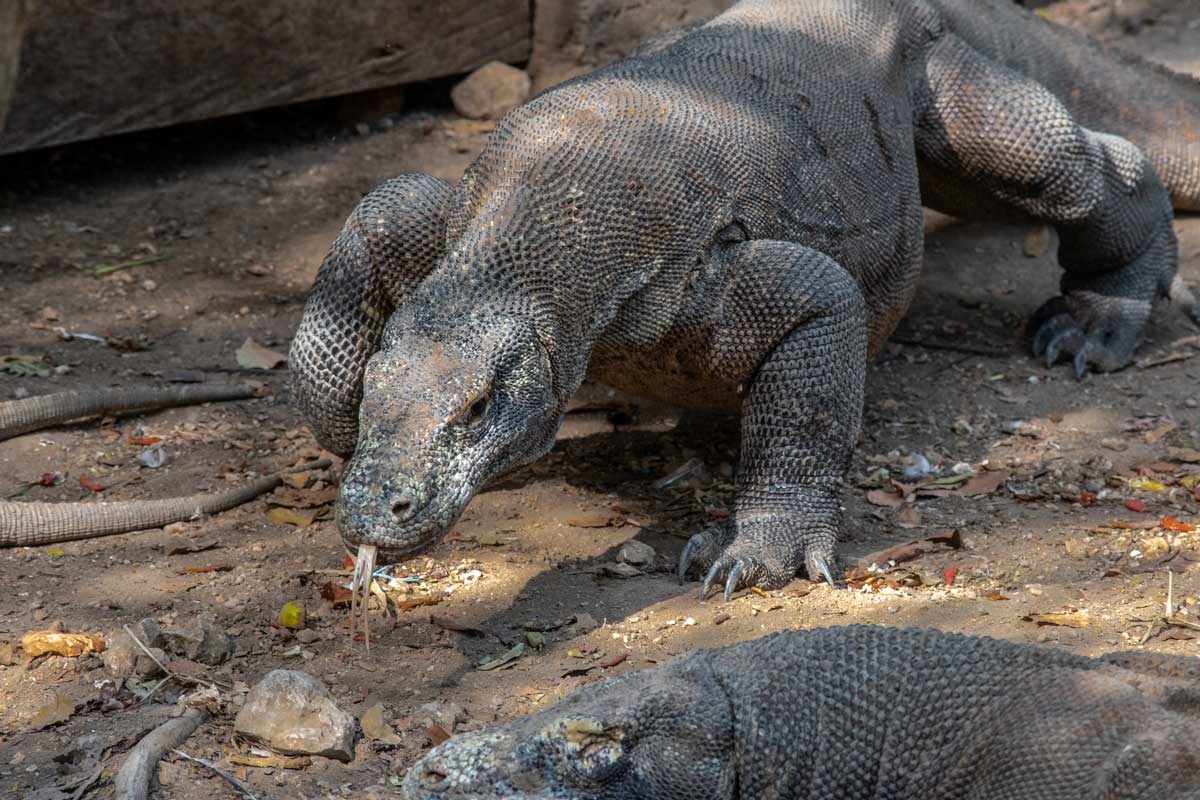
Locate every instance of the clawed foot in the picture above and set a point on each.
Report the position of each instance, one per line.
(763, 551)
(1089, 329)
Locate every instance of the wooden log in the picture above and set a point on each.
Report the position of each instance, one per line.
(93, 68)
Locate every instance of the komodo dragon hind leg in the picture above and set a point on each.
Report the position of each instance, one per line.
(389, 244)
(1010, 139)
(792, 329)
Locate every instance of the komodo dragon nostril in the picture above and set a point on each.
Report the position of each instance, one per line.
(403, 508)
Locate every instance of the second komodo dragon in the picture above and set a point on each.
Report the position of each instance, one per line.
(732, 219)
(855, 713)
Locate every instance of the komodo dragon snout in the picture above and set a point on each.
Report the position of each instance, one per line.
(660, 735)
(446, 406)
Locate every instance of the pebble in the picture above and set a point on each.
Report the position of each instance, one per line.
(123, 658)
(293, 713)
(199, 641)
(491, 91)
(636, 553)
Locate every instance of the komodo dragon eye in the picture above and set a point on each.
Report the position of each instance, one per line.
(477, 410)
(473, 410)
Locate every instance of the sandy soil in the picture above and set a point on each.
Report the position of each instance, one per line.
(241, 212)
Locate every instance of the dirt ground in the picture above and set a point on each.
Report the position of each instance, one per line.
(240, 213)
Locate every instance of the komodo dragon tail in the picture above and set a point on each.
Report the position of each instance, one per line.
(33, 524)
(1105, 88)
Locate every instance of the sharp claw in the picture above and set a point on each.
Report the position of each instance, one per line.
(685, 558)
(735, 576)
(710, 579)
(826, 572)
(1040, 340)
(1053, 348)
(1081, 363)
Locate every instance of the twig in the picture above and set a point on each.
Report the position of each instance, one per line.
(954, 348)
(133, 779)
(170, 673)
(232, 781)
(105, 269)
(1170, 593)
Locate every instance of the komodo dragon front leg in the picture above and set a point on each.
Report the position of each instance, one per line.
(392, 240)
(790, 331)
(988, 136)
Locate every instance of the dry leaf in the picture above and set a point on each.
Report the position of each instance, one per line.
(908, 517)
(884, 497)
(296, 480)
(294, 498)
(1172, 524)
(37, 643)
(57, 710)
(252, 355)
(424, 600)
(291, 516)
(1189, 454)
(1069, 619)
(340, 596)
(86, 482)
(276, 760)
(204, 569)
(437, 734)
(373, 726)
(1153, 436)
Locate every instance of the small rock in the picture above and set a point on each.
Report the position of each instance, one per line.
(1114, 444)
(491, 91)
(293, 713)
(123, 657)
(308, 636)
(637, 553)
(199, 641)
(441, 712)
(1076, 549)
(1191, 402)
(618, 570)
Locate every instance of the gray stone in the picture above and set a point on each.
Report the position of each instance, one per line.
(200, 641)
(491, 91)
(637, 553)
(441, 712)
(123, 658)
(292, 712)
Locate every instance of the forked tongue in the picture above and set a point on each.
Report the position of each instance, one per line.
(360, 591)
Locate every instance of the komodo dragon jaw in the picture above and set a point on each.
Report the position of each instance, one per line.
(653, 734)
(446, 407)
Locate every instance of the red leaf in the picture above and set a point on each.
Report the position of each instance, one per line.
(340, 596)
(143, 441)
(89, 484)
(1087, 498)
(1172, 524)
(608, 663)
(205, 568)
(948, 575)
(348, 563)
(1136, 505)
(47, 479)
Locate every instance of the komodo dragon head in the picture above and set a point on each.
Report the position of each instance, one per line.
(660, 734)
(449, 402)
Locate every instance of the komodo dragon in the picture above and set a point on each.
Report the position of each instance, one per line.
(849, 713)
(731, 219)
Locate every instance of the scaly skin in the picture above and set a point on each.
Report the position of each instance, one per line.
(731, 220)
(854, 713)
